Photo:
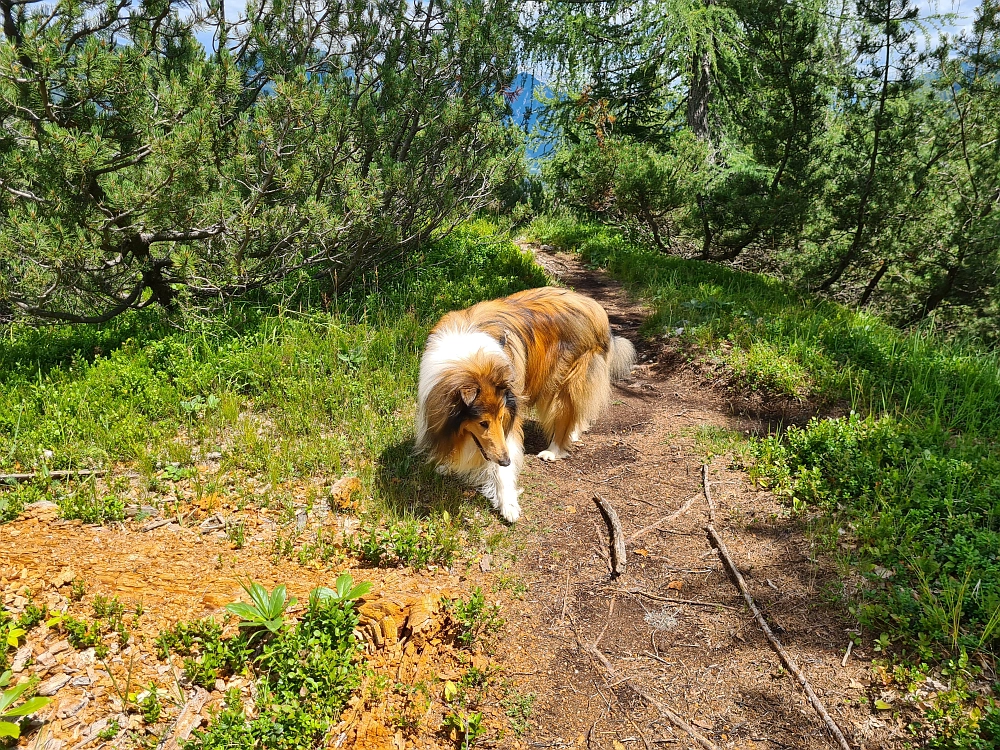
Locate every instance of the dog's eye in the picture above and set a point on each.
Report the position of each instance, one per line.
(484, 424)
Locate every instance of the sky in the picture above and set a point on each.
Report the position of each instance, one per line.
(964, 9)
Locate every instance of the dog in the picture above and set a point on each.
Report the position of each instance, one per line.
(549, 349)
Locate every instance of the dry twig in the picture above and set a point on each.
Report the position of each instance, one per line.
(785, 657)
(708, 494)
(657, 597)
(57, 474)
(617, 536)
(654, 526)
(716, 541)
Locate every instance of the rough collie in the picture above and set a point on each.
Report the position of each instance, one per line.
(548, 349)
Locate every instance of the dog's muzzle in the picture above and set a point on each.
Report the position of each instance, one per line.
(504, 462)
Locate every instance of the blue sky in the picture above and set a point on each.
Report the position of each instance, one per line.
(964, 9)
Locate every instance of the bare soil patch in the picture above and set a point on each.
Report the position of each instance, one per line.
(176, 572)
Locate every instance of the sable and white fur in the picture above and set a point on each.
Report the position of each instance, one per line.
(548, 349)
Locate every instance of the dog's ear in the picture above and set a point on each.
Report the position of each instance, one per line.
(469, 393)
(503, 339)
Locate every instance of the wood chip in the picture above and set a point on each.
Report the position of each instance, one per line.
(188, 721)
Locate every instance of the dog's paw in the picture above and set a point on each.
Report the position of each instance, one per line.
(510, 511)
(575, 436)
(553, 455)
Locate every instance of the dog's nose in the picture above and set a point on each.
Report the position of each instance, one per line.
(505, 461)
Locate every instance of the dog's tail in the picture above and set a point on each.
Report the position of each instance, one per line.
(622, 358)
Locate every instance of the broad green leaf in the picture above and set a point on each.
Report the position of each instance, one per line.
(29, 706)
(322, 593)
(12, 694)
(9, 729)
(360, 590)
(881, 705)
(243, 610)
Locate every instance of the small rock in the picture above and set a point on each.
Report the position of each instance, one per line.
(342, 493)
(547, 248)
(213, 455)
(53, 685)
(43, 510)
(300, 520)
(220, 685)
(484, 563)
(53, 744)
(146, 511)
(45, 659)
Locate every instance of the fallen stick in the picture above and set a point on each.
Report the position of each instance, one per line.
(562, 619)
(653, 526)
(850, 647)
(57, 474)
(786, 658)
(156, 524)
(708, 494)
(657, 597)
(617, 536)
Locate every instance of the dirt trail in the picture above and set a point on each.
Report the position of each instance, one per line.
(707, 661)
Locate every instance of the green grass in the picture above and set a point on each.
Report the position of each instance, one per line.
(305, 672)
(911, 474)
(282, 393)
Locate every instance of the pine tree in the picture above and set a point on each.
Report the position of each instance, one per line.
(136, 170)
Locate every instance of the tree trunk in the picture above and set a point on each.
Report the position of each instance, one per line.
(866, 193)
(873, 283)
(700, 92)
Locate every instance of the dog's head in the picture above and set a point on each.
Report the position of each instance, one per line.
(484, 406)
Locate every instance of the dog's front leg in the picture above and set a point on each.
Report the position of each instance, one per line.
(507, 493)
(501, 488)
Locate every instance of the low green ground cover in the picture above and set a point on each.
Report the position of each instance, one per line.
(319, 386)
